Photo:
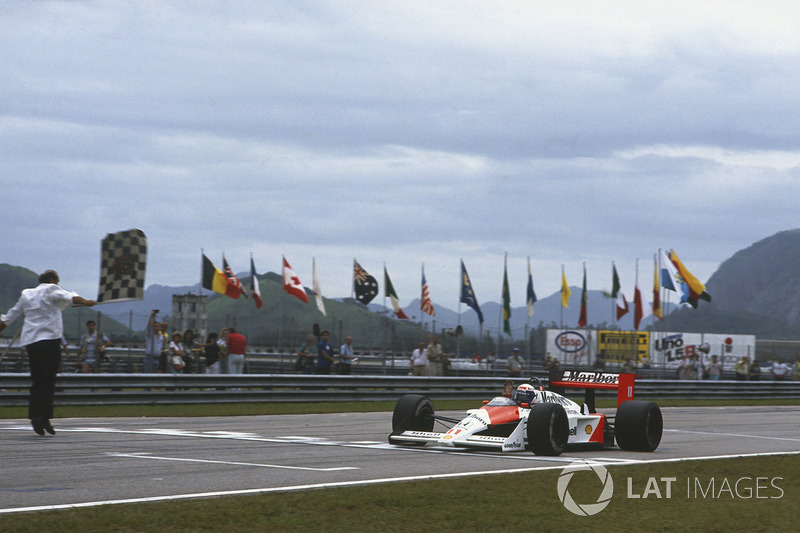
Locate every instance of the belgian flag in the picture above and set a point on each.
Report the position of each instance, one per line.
(215, 280)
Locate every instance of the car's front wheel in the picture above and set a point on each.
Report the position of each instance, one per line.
(548, 429)
(413, 412)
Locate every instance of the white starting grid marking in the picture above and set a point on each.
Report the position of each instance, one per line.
(233, 463)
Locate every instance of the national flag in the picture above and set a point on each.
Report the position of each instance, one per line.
(638, 307)
(254, 287)
(366, 286)
(616, 293)
(582, 320)
(506, 301)
(425, 303)
(232, 277)
(123, 259)
(565, 292)
(670, 279)
(392, 295)
(215, 280)
(697, 291)
(531, 294)
(468, 294)
(291, 283)
(657, 311)
(316, 288)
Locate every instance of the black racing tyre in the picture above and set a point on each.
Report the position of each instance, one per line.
(413, 412)
(638, 426)
(548, 429)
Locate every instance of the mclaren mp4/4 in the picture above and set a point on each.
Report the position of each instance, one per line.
(542, 421)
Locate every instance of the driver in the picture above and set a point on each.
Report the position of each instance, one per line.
(525, 393)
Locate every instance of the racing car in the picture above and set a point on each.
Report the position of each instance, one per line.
(542, 421)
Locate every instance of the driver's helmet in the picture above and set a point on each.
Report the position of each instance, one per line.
(525, 393)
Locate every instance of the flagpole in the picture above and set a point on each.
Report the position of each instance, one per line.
(561, 307)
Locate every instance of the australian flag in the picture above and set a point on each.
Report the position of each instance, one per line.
(366, 286)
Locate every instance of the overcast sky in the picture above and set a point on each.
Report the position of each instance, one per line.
(398, 133)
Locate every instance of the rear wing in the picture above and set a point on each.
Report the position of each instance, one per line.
(591, 381)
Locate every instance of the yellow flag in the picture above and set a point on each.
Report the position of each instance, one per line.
(565, 292)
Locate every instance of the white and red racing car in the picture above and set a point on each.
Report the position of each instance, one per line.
(542, 421)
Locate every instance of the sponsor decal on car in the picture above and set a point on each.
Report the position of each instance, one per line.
(590, 377)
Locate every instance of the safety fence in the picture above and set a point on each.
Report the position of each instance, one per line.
(141, 389)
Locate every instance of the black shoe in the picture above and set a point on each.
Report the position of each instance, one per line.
(38, 426)
(48, 427)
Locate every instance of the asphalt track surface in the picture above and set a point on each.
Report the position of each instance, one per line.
(126, 460)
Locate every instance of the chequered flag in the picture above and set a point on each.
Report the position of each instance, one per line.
(123, 259)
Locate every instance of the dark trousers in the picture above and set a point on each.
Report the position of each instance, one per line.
(43, 358)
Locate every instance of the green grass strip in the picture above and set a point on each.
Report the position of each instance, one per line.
(702, 498)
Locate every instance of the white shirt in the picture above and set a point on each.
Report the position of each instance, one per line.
(419, 357)
(42, 307)
(780, 369)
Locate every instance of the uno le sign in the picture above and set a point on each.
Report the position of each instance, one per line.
(570, 341)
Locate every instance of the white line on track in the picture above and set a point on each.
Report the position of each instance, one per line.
(717, 434)
(235, 463)
(362, 482)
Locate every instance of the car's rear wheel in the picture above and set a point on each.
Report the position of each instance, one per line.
(638, 426)
(413, 412)
(548, 429)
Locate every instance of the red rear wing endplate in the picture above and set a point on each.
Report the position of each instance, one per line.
(623, 383)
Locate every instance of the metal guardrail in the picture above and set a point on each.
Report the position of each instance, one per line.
(139, 389)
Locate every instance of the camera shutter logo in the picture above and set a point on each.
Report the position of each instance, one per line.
(585, 509)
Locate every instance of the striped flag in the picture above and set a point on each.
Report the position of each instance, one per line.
(254, 285)
(393, 295)
(616, 293)
(425, 303)
(215, 280)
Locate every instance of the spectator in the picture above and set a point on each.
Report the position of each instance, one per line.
(755, 371)
(222, 342)
(714, 369)
(628, 367)
(797, 369)
(176, 354)
(780, 370)
(742, 368)
(89, 353)
(436, 357)
(325, 359)
(192, 348)
(237, 345)
(346, 356)
(153, 343)
(212, 353)
(515, 365)
(306, 358)
(163, 361)
(41, 335)
(419, 360)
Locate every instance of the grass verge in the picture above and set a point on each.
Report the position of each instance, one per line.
(745, 494)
